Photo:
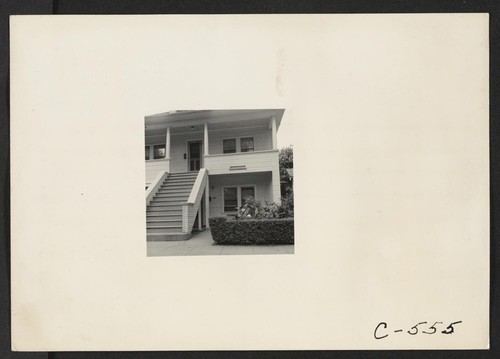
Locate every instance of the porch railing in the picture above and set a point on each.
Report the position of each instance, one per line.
(190, 208)
(155, 185)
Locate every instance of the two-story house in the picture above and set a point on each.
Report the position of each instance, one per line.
(201, 164)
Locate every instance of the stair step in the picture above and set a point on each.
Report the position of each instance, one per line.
(173, 194)
(181, 198)
(167, 200)
(164, 226)
(179, 182)
(188, 177)
(163, 229)
(168, 205)
(158, 222)
(175, 190)
(180, 174)
(180, 178)
(176, 186)
(164, 218)
(165, 214)
(164, 211)
(175, 236)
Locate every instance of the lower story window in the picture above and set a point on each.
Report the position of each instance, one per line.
(247, 192)
(230, 199)
(235, 196)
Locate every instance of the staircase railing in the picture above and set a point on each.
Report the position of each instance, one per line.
(190, 208)
(155, 186)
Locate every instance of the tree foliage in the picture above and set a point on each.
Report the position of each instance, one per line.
(286, 162)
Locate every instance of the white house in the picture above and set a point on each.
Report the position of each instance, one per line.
(201, 164)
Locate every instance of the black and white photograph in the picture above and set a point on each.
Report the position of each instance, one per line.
(218, 183)
(249, 182)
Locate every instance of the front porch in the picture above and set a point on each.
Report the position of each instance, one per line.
(241, 141)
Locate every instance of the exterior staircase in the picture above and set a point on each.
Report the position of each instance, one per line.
(164, 212)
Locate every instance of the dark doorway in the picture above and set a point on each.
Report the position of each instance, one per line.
(194, 155)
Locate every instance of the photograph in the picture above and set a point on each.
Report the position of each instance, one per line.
(311, 182)
(217, 182)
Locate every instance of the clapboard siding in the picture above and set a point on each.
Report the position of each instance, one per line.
(154, 167)
(250, 161)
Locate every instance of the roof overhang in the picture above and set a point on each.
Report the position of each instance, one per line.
(192, 118)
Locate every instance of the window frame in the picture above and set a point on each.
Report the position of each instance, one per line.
(238, 196)
(159, 144)
(152, 152)
(237, 140)
(235, 145)
(224, 200)
(253, 144)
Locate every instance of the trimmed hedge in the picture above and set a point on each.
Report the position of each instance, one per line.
(252, 231)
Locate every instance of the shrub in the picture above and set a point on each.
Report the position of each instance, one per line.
(250, 208)
(254, 209)
(252, 231)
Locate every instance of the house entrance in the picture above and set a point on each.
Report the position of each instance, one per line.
(194, 155)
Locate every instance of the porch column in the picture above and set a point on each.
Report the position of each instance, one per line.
(207, 204)
(205, 142)
(273, 129)
(199, 218)
(167, 144)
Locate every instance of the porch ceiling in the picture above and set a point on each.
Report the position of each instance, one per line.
(185, 121)
(257, 124)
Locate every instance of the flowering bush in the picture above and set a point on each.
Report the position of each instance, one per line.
(254, 209)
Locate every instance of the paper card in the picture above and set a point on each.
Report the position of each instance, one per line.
(388, 117)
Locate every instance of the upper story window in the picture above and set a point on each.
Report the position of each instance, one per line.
(147, 153)
(159, 152)
(233, 145)
(229, 145)
(246, 144)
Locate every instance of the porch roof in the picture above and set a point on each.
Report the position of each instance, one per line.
(220, 118)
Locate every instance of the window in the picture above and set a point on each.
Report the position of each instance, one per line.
(234, 197)
(147, 153)
(159, 152)
(241, 144)
(247, 192)
(246, 144)
(229, 145)
(230, 199)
